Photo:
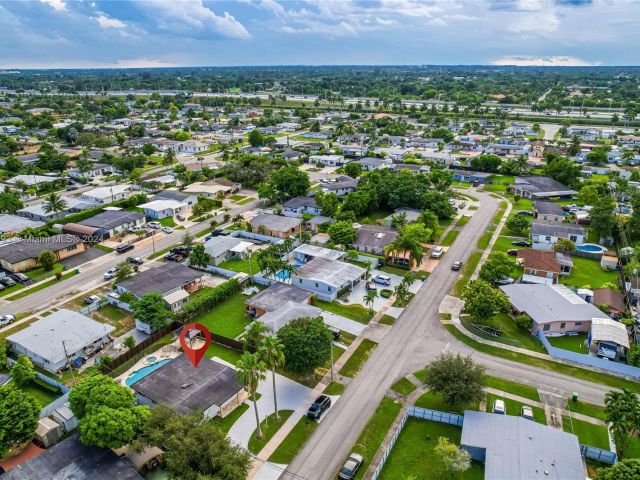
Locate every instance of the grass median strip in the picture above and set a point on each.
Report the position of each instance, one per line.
(269, 427)
(514, 388)
(353, 311)
(403, 386)
(467, 271)
(358, 358)
(28, 291)
(450, 237)
(294, 442)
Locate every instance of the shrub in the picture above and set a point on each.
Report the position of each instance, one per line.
(386, 293)
(523, 321)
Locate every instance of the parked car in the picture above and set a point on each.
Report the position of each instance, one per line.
(155, 225)
(498, 407)
(183, 250)
(505, 281)
(317, 408)
(382, 279)
(7, 281)
(217, 232)
(180, 218)
(527, 412)
(109, 274)
(335, 332)
(174, 257)
(71, 188)
(6, 320)
(437, 252)
(91, 299)
(371, 286)
(134, 260)
(521, 243)
(351, 467)
(167, 229)
(20, 277)
(2, 287)
(513, 252)
(124, 248)
(457, 265)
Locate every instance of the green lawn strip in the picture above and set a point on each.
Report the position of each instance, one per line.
(515, 408)
(269, 427)
(589, 409)
(354, 311)
(511, 333)
(227, 422)
(633, 449)
(374, 432)
(514, 388)
(358, 358)
(39, 274)
(485, 238)
(245, 201)
(568, 370)
(235, 198)
(43, 285)
(9, 290)
(334, 388)
(574, 343)
(346, 338)
(387, 320)
(229, 318)
(120, 319)
(413, 453)
(16, 328)
(104, 248)
(587, 273)
(450, 237)
(242, 265)
(421, 375)
(160, 253)
(402, 304)
(403, 386)
(41, 391)
(504, 244)
(395, 270)
(467, 270)
(294, 441)
(225, 353)
(462, 221)
(434, 401)
(167, 222)
(587, 433)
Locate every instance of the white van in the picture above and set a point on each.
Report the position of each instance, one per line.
(498, 407)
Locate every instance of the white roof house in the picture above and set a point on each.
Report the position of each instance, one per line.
(306, 252)
(281, 317)
(162, 208)
(326, 277)
(31, 180)
(608, 330)
(108, 194)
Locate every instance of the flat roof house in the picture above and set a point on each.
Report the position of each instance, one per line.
(21, 254)
(16, 224)
(115, 221)
(544, 235)
(280, 303)
(275, 225)
(538, 187)
(548, 211)
(469, 176)
(110, 194)
(296, 207)
(225, 248)
(326, 278)
(373, 238)
(60, 338)
(36, 212)
(343, 186)
(305, 252)
(211, 387)
(554, 309)
(186, 198)
(608, 339)
(515, 448)
(159, 209)
(370, 164)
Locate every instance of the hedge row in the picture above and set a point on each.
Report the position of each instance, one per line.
(132, 201)
(208, 300)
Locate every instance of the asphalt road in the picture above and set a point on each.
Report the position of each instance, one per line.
(90, 275)
(416, 338)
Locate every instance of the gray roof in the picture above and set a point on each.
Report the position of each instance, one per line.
(375, 236)
(542, 186)
(278, 294)
(44, 337)
(550, 303)
(329, 272)
(371, 161)
(318, 252)
(276, 223)
(185, 388)
(301, 202)
(111, 218)
(216, 246)
(161, 279)
(281, 317)
(340, 185)
(172, 195)
(553, 229)
(14, 223)
(520, 449)
(18, 250)
(71, 459)
(470, 173)
(548, 208)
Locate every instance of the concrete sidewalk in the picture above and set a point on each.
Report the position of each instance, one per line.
(493, 240)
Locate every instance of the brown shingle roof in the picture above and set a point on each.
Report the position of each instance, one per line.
(609, 297)
(539, 260)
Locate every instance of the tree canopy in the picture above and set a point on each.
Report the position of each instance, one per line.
(307, 344)
(457, 378)
(151, 309)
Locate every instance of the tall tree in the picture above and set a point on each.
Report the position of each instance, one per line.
(199, 256)
(482, 301)
(627, 469)
(602, 217)
(151, 309)
(54, 203)
(22, 371)
(622, 410)
(307, 344)
(251, 371)
(254, 334)
(47, 260)
(19, 415)
(271, 352)
(457, 378)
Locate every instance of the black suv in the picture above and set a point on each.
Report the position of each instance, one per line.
(318, 407)
(124, 248)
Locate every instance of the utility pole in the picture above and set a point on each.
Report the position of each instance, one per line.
(332, 360)
(69, 363)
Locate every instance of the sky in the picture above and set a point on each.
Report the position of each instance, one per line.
(161, 33)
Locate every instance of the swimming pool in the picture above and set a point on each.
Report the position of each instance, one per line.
(144, 371)
(283, 275)
(590, 247)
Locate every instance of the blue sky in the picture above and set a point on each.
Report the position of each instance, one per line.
(149, 33)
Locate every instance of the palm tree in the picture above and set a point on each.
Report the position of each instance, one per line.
(271, 352)
(401, 292)
(254, 334)
(404, 244)
(251, 371)
(369, 297)
(169, 157)
(367, 271)
(54, 204)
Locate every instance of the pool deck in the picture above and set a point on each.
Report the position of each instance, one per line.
(168, 351)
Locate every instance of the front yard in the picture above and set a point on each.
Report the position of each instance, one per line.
(353, 311)
(511, 333)
(587, 433)
(357, 360)
(515, 408)
(574, 343)
(120, 319)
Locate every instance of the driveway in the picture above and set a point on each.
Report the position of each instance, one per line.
(84, 257)
(343, 323)
(360, 290)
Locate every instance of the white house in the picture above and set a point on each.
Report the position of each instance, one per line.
(192, 146)
(326, 278)
(545, 235)
(328, 160)
(296, 207)
(95, 170)
(110, 194)
(163, 208)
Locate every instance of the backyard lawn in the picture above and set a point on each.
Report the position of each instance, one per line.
(225, 353)
(41, 391)
(574, 343)
(372, 217)
(294, 441)
(353, 311)
(413, 453)
(116, 317)
(587, 273)
(357, 360)
(499, 183)
(587, 433)
(242, 265)
(228, 319)
(515, 408)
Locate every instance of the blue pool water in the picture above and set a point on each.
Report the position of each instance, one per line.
(144, 371)
(283, 275)
(589, 247)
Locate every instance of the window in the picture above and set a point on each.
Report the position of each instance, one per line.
(317, 285)
(546, 327)
(573, 238)
(562, 325)
(71, 248)
(578, 324)
(547, 238)
(300, 280)
(328, 289)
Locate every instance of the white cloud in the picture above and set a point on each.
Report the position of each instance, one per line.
(107, 22)
(553, 61)
(57, 5)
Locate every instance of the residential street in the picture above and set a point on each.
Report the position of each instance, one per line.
(416, 338)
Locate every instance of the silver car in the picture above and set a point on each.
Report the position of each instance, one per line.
(351, 467)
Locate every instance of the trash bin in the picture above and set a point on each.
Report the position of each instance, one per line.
(574, 397)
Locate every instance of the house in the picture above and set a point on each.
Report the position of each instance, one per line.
(223, 248)
(72, 459)
(115, 221)
(554, 309)
(37, 211)
(608, 339)
(473, 177)
(21, 254)
(59, 339)
(316, 135)
(373, 238)
(296, 207)
(611, 298)
(539, 187)
(328, 160)
(545, 235)
(290, 155)
(411, 167)
(212, 188)
(305, 252)
(275, 225)
(327, 278)
(16, 224)
(542, 266)
(548, 211)
(192, 146)
(33, 180)
(188, 199)
(110, 194)
(95, 170)
(159, 209)
(172, 280)
(343, 186)
(369, 164)
(515, 448)
(276, 296)
(210, 387)
(314, 223)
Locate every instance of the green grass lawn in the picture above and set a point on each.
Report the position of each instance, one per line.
(587, 433)
(354, 311)
(413, 453)
(41, 391)
(227, 422)
(371, 218)
(167, 222)
(587, 273)
(403, 386)
(462, 221)
(574, 343)
(485, 238)
(269, 427)
(104, 248)
(514, 388)
(120, 319)
(511, 333)
(41, 286)
(242, 265)
(515, 408)
(595, 411)
(294, 441)
(504, 244)
(228, 319)
(357, 360)
(245, 201)
(346, 338)
(450, 237)
(334, 388)
(401, 272)
(523, 203)
(38, 274)
(467, 270)
(235, 198)
(403, 303)
(225, 353)
(434, 401)
(387, 320)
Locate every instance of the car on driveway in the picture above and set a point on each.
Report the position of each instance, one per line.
(457, 265)
(109, 274)
(351, 467)
(498, 407)
(505, 281)
(6, 320)
(174, 257)
(437, 252)
(7, 281)
(371, 286)
(91, 299)
(154, 225)
(317, 408)
(167, 229)
(134, 260)
(513, 252)
(20, 277)
(521, 243)
(382, 279)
